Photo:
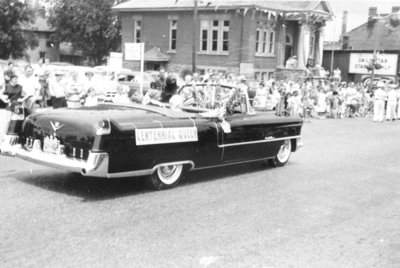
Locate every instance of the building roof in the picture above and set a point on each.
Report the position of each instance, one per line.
(317, 7)
(41, 25)
(382, 33)
(154, 54)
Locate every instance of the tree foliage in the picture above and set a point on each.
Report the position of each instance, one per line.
(89, 25)
(16, 36)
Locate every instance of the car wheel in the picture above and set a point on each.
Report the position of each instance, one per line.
(166, 176)
(283, 155)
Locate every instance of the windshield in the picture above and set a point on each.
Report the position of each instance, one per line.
(210, 99)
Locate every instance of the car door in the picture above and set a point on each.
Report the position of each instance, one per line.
(209, 153)
(248, 139)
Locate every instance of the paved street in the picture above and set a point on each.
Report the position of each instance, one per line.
(336, 204)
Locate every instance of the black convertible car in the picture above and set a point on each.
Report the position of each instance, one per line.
(112, 140)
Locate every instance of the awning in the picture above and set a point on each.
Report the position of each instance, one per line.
(154, 54)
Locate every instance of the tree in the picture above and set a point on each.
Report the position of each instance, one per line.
(15, 33)
(88, 25)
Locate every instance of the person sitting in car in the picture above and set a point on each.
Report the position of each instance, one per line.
(170, 89)
(187, 95)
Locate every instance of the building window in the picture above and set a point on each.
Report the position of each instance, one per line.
(214, 36)
(265, 39)
(42, 55)
(49, 44)
(137, 29)
(173, 27)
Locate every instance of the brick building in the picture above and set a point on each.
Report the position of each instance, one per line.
(253, 38)
(47, 49)
(378, 37)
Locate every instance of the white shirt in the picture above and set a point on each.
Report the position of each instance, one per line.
(392, 96)
(30, 85)
(57, 88)
(380, 94)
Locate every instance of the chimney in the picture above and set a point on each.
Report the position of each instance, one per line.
(372, 12)
(344, 22)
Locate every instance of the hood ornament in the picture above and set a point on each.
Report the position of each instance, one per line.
(56, 126)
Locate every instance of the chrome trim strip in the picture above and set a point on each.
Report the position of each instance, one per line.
(138, 173)
(146, 172)
(259, 141)
(235, 163)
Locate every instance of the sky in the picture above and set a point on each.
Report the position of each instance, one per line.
(357, 14)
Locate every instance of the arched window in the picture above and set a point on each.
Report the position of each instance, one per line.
(289, 39)
(288, 46)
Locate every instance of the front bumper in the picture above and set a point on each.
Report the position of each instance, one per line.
(299, 143)
(95, 166)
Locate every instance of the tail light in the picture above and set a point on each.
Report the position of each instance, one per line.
(104, 127)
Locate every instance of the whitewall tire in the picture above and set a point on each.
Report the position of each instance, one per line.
(283, 155)
(166, 176)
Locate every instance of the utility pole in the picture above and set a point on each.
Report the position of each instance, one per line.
(195, 36)
(374, 56)
(333, 49)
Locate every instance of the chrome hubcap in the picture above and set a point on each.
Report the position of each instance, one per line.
(169, 174)
(284, 151)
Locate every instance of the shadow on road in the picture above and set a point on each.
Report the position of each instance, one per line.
(205, 175)
(98, 189)
(88, 188)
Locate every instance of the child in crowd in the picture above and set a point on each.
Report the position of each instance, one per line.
(307, 104)
(121, 96)
(334, 101)
(294, 102)
(91, 99)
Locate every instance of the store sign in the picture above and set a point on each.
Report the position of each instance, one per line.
(134, 51)
(165, 135)
(359, 62)
(115, 60)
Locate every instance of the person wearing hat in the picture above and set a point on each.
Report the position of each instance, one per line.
(379, 103)
(75, 91)
(57, 88)
(95, 86)
(170, 89)
(391, 103)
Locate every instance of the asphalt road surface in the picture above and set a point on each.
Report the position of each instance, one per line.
(335, 204)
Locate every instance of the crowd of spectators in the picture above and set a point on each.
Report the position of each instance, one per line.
(318, 98)
(40, 86)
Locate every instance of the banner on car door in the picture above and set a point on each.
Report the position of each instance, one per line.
(165, 135)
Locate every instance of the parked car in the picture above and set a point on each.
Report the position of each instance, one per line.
(115, 140)
(366, 79)
(125, 77)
